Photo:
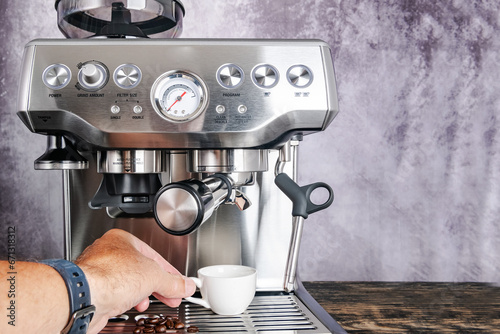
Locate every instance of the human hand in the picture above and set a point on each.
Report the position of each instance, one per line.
(123, 272)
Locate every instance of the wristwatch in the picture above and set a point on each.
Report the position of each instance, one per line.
(81, 309)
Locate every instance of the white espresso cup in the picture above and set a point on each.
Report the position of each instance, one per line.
(226, 289)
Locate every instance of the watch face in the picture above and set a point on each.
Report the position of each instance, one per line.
(179, 96)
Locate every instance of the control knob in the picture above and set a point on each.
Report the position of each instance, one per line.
(93, 76)
(56, 76)
(230, 76)
(265, 76)
(127, 76)
(299, 76)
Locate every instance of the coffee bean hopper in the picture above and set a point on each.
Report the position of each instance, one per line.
(191, 145)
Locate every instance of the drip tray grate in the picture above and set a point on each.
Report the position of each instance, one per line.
(267, 313)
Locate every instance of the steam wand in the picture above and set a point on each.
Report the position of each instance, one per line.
(302, 207)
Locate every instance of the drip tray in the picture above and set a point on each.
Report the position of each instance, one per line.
(272, 313)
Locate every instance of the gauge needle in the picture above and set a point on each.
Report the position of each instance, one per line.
(177, 100)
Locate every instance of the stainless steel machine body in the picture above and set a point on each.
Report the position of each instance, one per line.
(179, 142)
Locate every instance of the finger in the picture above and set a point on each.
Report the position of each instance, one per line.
(172, 302)
(143, 305)
(173, 286)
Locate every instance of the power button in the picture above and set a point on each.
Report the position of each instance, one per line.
(56, 76)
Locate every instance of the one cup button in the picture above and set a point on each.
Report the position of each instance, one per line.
(265, 76)
(115, 109)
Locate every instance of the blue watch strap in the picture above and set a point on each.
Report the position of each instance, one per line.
(81, 309)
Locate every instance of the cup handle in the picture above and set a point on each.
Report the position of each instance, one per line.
(199, 301)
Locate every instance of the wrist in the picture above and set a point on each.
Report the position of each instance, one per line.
(81, 309)
(101, 290)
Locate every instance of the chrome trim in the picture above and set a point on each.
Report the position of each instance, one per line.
(330, 85)
(132, 161)
(25, 86)
(227, 161)
(293, 254)
(67, 215)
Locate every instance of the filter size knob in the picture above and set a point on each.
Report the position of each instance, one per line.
(93, 76)
(127, 76)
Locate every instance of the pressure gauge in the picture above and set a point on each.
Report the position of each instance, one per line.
(179, 96)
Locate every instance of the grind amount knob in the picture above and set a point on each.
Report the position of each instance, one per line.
(93, 76)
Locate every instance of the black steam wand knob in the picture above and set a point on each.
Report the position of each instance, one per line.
(301, 196)
(302, 207)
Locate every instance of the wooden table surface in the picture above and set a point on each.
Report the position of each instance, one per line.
(414, 307)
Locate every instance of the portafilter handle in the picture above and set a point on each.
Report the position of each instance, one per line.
(302, 207)
(181, 207)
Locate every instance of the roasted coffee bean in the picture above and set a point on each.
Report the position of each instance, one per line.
(160, 324)
(160, 329)
(193, 329)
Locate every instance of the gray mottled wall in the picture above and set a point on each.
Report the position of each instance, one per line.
(414, 155)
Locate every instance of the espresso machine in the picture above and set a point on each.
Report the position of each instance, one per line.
(189, 144)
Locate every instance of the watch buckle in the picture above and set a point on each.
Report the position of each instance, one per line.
(82, 313)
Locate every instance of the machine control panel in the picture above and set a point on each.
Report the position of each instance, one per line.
(93, 76)
(181, 93)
